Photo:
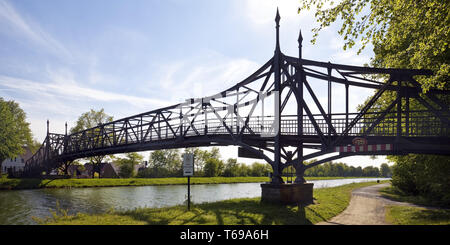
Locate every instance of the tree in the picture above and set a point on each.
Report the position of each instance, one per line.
(201, 156)
(260, 169)
(385, 170)
(34, 146)
(14, 130)
(371, 171)
(126, 165)
(231, 168)
(244, 170)
(404, 34)
(331, 169)
(213, 167)
(425, 175)
(88, 120)
(164, 163)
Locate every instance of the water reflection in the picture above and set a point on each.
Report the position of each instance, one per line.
(17, 207)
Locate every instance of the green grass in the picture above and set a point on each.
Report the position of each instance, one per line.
(244, 211)
(14, 184)
(10, 184)
(397, 195)
(404, 215)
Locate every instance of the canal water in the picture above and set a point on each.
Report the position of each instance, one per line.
(19, 206)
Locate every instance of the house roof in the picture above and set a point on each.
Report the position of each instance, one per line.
(27, 154)
(115, 166)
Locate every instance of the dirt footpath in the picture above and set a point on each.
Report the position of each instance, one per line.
(367, 207)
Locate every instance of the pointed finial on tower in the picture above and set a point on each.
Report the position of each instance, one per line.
(300, 40)
(66, 128)
(277, 18)
(277, 21)
(48, 124)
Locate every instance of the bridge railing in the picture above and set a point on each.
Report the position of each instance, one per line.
(51, 148)
(369, 125)
(417, 124)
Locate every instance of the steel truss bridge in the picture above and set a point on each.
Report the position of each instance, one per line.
(269, 115)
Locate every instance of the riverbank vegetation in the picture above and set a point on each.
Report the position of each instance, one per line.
(343, 170)
(423, 177)
(18, 184)
(394, 193)
(165, 168)
(15, 133)
(208, 163)
(11, 184)
(433, 212)
(328, 202)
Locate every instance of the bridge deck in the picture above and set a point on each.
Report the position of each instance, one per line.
(110, 139)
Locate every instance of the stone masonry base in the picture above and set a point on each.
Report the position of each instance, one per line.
(287, 193)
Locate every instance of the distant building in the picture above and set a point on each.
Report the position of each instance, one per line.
(109, 170)
(106, 170)
(78, 171)
(140, 167)
(16, 164)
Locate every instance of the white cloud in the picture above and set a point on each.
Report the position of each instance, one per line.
(202, 76)
(263, 11)
(14, 24)
(349, 56)
(64, 87)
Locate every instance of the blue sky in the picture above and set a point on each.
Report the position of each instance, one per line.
(59, 59)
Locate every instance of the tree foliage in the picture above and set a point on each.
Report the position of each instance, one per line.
(385, 170)
(424, 175)
(201, 156)
(331, 169)
(126, 165)
(168, 163)
(89, 120)
(213, 167)
(404, 34)
(15, 132)
(164, 163)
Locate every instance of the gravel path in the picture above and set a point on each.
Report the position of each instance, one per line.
(367, 207)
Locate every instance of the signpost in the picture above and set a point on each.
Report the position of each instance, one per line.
(188, 170)
(358, 141)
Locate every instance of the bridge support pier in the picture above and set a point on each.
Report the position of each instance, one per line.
(299, 173)
(287, 193)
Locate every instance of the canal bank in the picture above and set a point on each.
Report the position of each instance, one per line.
(22, 184)
(19, 206)
(328, 202)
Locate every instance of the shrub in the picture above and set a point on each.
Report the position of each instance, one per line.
(424, 175)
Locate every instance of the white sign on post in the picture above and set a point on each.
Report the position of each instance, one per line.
(188, 164)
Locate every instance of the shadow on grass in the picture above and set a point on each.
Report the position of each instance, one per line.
(404, 215)
(435, 215)
(394, 194)
(230, 212)
(25, 183)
